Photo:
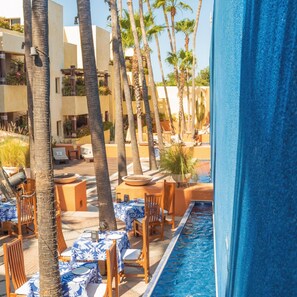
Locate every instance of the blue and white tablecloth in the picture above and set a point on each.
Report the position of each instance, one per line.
(129, 211)
(8, 211)
(73, 285)
(84, 249)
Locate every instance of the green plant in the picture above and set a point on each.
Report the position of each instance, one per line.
(14, 153)
(107, 125)
(4, 23)
(104, 90)
(178, 159)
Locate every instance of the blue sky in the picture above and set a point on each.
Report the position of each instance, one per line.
(100, 13)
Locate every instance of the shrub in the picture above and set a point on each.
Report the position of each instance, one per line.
(177, 159)
(14, 153)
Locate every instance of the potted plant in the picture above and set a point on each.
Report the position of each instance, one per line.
(14, 155)
(178, 161)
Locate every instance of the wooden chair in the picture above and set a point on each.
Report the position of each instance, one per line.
(95, 290)
(137, 257)
(14, 268)
(154, 211)
(25, 203)
(64, 252)
(169, 202)
(26, 215)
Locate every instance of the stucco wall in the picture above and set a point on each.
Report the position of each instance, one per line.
(56, 63)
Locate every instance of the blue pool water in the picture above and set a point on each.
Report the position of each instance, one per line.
(189, 270)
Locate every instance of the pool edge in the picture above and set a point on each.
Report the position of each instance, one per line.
(152, 284)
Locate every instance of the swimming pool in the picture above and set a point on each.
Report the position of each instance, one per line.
(187, 267)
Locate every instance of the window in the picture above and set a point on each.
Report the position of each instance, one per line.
(57, 85)
(59, 128)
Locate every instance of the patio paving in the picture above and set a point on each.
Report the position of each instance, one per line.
(74, 223)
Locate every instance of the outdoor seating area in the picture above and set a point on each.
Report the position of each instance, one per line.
(90, 251)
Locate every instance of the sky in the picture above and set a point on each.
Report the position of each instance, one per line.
(100, 13)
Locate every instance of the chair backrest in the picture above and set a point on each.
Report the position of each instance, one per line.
(59, 153)
(26, 208)
(146, 243)
(169, 196)
(112, 269)
(29, 186)
(62, 246)
(14, 264)
(154, 207)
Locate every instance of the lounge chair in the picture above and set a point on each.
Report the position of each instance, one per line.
(87, 152)
(59, 155)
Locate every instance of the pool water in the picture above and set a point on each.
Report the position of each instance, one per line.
(189, 270)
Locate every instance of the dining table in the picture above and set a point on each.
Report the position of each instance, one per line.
(8, 211)
(75, 278)
(129, 211)
(85, 248)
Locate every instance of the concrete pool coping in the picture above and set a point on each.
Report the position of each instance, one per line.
(152, 284)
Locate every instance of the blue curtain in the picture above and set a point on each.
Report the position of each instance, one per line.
(254, 146)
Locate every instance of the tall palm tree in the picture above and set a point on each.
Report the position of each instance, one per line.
(161, 69)
(172, 6)
(152, 158)
(128, 41)
(151, 77)
(28, 43)
(162, 4)
(47, 229)
(181, 60)
(194, 62)
(119, 125)
(134, 147)
(186, 26)
(106, 211)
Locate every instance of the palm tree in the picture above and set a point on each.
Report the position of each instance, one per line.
(161, 69)
(162, 3)
(171, 7)
(181, 60)
(152, 158)
(186, 26)
(151, 77)
(28, 43)
(134, 147)
(119, 126)
(47, 229)
(194, 62)
(106, 211)
(128, 41)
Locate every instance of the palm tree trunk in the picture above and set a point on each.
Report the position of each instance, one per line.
(151, 77)
(134, 147)
(29, 79)
(138, 95)
(189, 102)
(194, 63)
(152, 158)
(47, 238)
(120, 6)
(168, 29)
(119, 126)
(162, 71)
(106, 211)
(173, 30)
